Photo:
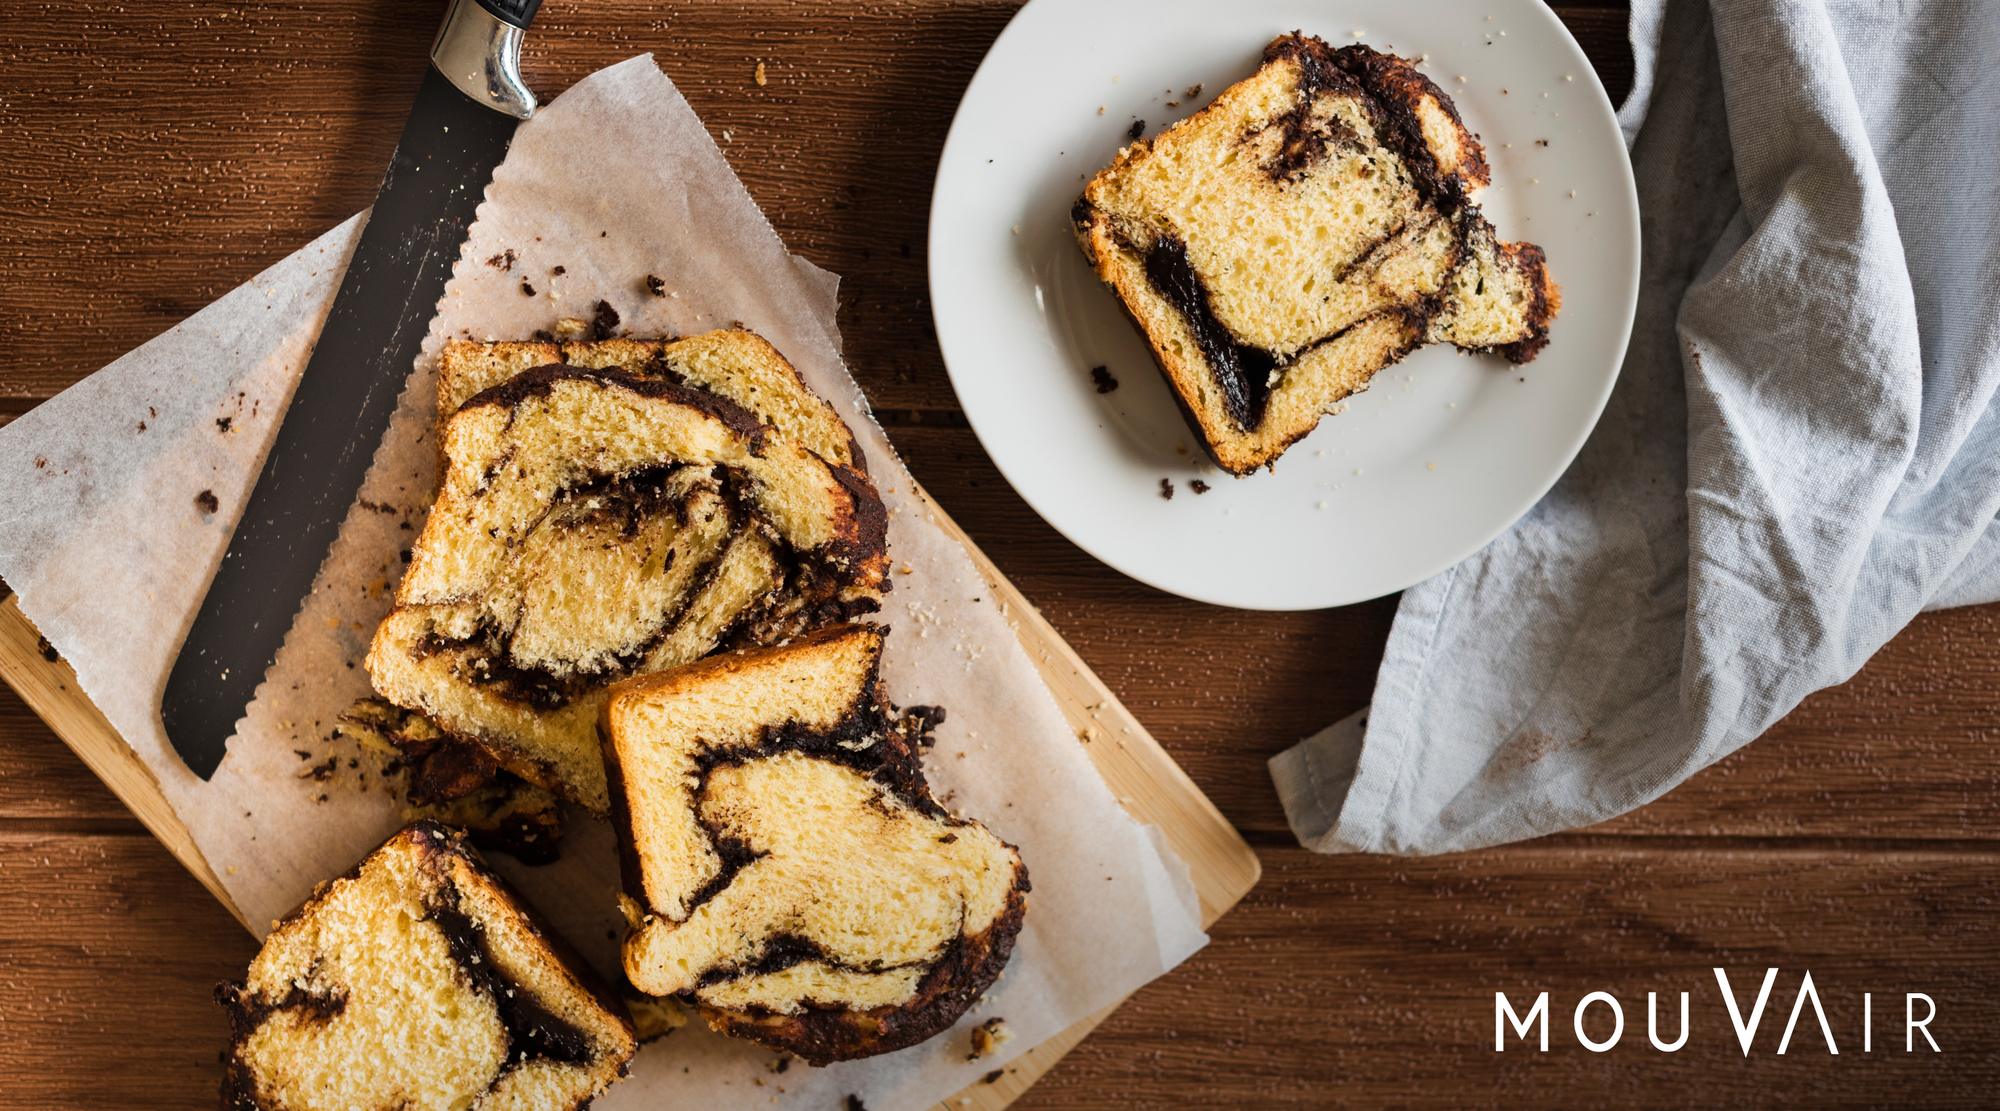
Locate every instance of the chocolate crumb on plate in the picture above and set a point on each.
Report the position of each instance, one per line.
(502, 261)
(526, 288)
(656, 286)
(1198, 486)
(1166, 489)
(1102, 376)
(1138, 128)
(208, 502)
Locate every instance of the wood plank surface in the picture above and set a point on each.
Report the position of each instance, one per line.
(158, 154)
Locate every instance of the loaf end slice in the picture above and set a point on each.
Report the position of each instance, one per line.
(420, 981)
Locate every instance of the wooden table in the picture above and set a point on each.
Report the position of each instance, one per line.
(156, 154)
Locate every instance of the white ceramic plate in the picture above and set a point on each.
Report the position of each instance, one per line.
(1435, 459)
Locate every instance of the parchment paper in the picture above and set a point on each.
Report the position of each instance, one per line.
(109, 541)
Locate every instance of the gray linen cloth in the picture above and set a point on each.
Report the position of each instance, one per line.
(1802, 452)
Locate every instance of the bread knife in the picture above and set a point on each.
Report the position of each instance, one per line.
(471, 100)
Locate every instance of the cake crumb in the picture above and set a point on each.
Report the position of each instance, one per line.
(854, 1103)
(1166, 489)
(503, 261)
(988, 1037)
(656, 286)
(1193, 91)
(605, 325)
(570, 328)
(208, 502)
(1102, 377)
(526, 288)
(1138, 128)
(758, 76)
(1100, 111)
(225, 423)
(1173, 104)
(1541, 142)
(1198, 486)
(992, 1076)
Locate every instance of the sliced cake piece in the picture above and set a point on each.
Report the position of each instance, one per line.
(592, 525)
(785, 866)
(1302, 232)
(420, 982)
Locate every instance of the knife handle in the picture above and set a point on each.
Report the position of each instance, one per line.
(478, 49)
(520, 13)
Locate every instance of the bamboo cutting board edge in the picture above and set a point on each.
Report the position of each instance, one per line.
(1146, 781)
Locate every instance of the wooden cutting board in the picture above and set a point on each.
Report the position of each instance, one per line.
(1146, 781)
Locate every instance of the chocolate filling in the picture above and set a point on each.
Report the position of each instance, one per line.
(239, 1085)
(628, 501)
(866, 740)
(533, 1032)
(781, 951)
(541, 381)
(807, 598)
(1243, 372)
(1305, 141)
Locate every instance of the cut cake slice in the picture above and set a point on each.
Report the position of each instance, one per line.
(785, 866)
(591, 524)
(420, 982)
(1311, 226)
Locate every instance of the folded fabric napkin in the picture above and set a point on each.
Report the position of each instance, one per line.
(1802, 452)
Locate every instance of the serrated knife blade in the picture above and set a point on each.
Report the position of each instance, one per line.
(465, 114)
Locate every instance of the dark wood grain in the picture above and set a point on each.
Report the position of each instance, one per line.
(154, 156)
(1369, 983)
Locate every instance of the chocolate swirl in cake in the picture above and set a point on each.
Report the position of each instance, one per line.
(594, 524)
